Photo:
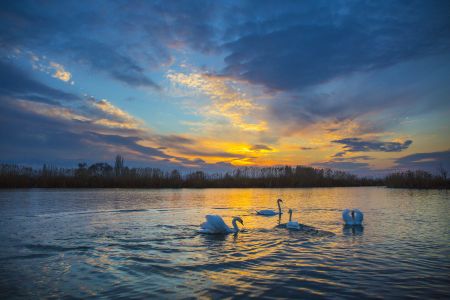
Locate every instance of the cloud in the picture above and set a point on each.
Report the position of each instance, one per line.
(39, 29)
(429, 161)
(295, 46)
(359, 145)
(51, 111)
(16, 83)
(91, 130)
(60, 72)
(106, 58)
(366, 103)
(109, 115)
(54, 133)
(227, 101)
(43, 64)
(346, 166)
(174, 140)
(339, 154)
(260, 148)
(352, 158)
(208, 153)
(283, 47)
(90, 123)
(129, 142)
(357, 64)
(190, 147)
(126, 45)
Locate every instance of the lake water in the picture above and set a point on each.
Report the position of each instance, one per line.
(122, 243)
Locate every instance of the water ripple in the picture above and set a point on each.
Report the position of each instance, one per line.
(121, 244)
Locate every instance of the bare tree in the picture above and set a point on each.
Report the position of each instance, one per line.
(118, 166)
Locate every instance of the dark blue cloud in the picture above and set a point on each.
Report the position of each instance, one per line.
(69, 30)
(123, 40)
(18, 84)
(343, 60)
(375, 101)
(129, 142)
(430, 161)
(351, 159)
(359, 145)
(284, 47)
(173, 140)
(105, 58)
(292, 47)
(28, 136)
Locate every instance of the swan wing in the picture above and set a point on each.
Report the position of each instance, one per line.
(215, 224)
(347, 217)
(359, 216)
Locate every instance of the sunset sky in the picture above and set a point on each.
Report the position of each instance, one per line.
(352, 85)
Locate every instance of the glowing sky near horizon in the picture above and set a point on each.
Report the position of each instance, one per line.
(352, 85)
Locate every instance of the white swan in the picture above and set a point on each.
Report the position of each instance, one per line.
(215, 225)
(352, 217)
(269, 212)
(291, 224)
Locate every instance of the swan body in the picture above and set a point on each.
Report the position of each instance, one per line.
(292, 224)
(215, 225)
(266, 212)
(269, 212)
(352, 217)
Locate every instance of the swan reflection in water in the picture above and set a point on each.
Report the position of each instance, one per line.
(352, 230)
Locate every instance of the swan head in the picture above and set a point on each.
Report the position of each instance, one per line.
(290, 211)
(239, 219)
(279, 200)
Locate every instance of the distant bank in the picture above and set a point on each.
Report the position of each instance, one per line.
(103, 175)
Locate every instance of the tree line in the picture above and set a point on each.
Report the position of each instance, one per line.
(103, 175)
(418, 179)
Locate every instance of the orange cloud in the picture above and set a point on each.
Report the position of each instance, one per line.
(227, 100)
(60, 72)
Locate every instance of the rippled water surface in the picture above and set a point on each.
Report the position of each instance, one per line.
(120, 243)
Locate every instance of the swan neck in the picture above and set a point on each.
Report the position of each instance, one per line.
(279, 207)
(290, 216)
(235, 227)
